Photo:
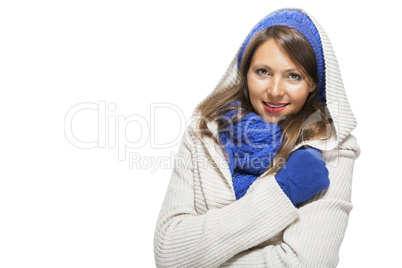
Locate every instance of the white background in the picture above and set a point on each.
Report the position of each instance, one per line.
(65, 206)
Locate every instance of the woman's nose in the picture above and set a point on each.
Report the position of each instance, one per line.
(275, 88)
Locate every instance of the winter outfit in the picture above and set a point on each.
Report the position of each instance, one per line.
(251, 148)
(222, 212)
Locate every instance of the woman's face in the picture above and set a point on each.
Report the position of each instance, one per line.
(276, 86)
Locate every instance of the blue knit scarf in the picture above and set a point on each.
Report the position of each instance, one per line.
(250, 143)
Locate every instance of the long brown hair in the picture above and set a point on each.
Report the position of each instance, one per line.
(309, 123)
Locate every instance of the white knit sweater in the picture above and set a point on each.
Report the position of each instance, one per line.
(202, 225)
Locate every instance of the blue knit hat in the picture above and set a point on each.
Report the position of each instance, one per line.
(301, 22)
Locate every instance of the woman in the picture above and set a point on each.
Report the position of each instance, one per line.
(263, 176)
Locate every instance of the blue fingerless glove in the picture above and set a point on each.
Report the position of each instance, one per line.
(303, 175)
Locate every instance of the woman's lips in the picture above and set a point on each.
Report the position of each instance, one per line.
(274, 107)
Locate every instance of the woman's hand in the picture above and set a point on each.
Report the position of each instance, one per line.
(303, 175)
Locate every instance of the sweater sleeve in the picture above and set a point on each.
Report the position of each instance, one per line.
(184, 238)
(315, 238)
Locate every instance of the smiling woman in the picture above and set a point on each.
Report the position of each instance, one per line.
(280, 121)
(279, 81)
(275, 85)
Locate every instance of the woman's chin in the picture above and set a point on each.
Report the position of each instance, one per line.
(270, 119)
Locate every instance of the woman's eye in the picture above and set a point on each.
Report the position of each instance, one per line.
(262, 72)
(294, 76)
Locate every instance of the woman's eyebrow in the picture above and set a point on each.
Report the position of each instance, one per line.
(263, 65)
(292, 70)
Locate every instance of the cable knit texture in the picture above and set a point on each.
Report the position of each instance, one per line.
(202, 225)
(250, 143)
